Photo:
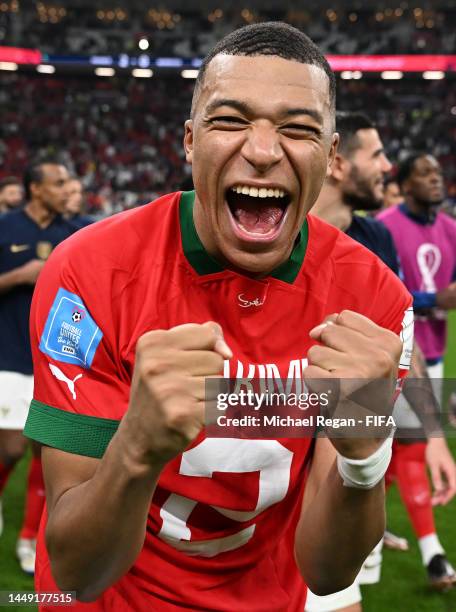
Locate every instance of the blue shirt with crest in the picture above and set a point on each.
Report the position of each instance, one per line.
(22, 240)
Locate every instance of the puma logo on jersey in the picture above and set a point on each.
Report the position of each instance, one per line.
(57, 372)
(244, 303)
(18, 248)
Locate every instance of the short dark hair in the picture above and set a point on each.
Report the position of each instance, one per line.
(270, 38)
(34, 172)
(9, 180)
(406, 165)
(390, 180)
(348, 125)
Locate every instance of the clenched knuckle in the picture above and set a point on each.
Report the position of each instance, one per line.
(385, 361)
(150, 339)
(217, 363)
(151, 367)
(329, 332)
(393, 343)
(213, 327)
(314, 353)
(165, 387)
(398, 347)
(177, 419)
(344, 317)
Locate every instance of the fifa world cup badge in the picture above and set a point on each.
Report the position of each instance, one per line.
(43, 250)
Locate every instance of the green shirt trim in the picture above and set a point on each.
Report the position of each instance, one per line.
(74, 433)
(203, 263)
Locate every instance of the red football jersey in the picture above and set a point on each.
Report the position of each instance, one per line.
(221, 524)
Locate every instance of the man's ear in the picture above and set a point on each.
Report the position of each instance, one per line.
(339, 167)
(35, 189)
(188, 140)
(405, 187)
(332, 153)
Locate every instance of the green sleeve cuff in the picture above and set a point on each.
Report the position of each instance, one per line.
(74, 433)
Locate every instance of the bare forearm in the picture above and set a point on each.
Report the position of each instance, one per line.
(337, 531)
(96, 530)
(8, 280)
(418, 391)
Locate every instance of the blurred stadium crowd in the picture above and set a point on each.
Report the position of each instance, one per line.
(356, 28)
(123, 136)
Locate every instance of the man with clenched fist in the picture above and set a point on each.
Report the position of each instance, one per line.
(132, 316)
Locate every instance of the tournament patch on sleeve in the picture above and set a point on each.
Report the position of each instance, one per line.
(70, 334)
(406, 336)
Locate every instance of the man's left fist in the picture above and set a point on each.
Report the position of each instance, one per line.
(359, 361)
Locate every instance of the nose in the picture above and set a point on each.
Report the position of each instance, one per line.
(436, 178)
(262, 148)
(386, 165)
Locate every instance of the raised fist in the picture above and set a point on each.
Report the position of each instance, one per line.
(166, 410)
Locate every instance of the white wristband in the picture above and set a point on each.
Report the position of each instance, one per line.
(366, 473)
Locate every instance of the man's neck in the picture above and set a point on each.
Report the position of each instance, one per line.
(419, 209)
(331, 208)
(40, 215)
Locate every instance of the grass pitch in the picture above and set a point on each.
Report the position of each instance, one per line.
(403, 587)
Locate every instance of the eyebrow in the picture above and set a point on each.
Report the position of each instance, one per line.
(246, 109)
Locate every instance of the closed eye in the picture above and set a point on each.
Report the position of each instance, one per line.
(298, 129)
(228, 121)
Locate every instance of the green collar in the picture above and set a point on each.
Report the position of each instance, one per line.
(203, 263)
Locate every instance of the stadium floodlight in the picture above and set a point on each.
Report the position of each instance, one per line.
(45, 69)
(101, 60)
(351, 74)
(392, 75)
(142, 73)
(189, 74)
(169, 62)
(143, 44)
(8, 66)
(433, 75)
(105, 72)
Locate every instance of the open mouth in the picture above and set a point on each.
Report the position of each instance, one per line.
(257, 213)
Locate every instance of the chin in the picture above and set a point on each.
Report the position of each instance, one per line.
(255, 264)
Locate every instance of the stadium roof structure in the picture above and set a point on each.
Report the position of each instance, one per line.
(263, 5)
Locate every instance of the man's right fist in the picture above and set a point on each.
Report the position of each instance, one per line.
(166, 410)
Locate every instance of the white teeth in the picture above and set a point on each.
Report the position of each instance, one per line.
(262, 192)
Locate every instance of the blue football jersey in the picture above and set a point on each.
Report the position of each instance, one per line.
(22, 240)
(375, 237)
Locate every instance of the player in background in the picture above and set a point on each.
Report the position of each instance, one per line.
(430, 258)
(74, 210)
(392, 193)
(144, 511)
(27, 238)
(429, 262)
(356, 181)
(11, 193)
